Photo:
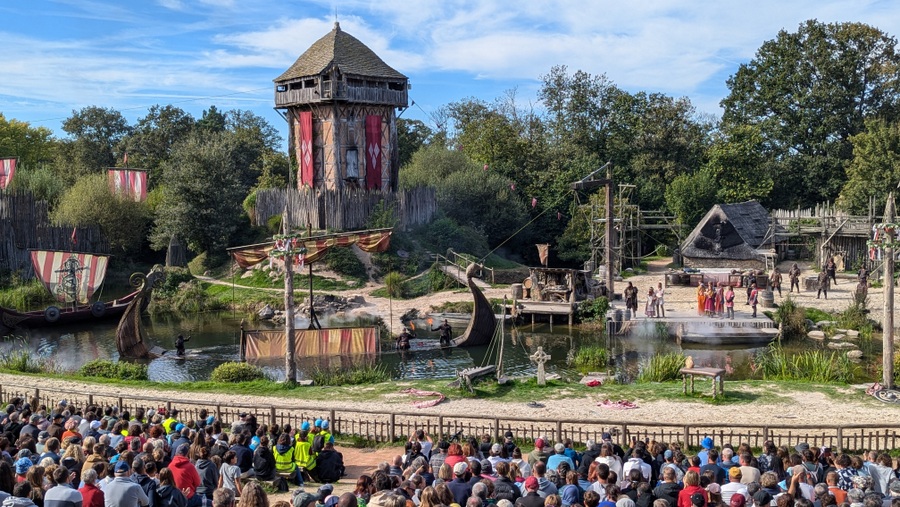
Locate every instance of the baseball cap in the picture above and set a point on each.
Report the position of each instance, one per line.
(531, 482)
(734, 472)
(325, 490)
(122, 467)
(539, 443)
(496, 448)
(707, 443)
(559, 448)
(95, 425)
(762, 498)
(605, 436)
(737, 501)
(324, 425)
(508, 434)
(714, 488)
(802, 446)
(460, 468)
(486, 468)
(43, 436)
(668, 454)
(697, 499)
(443, 445)
(304, 426)
(318, 423)
(332, 501)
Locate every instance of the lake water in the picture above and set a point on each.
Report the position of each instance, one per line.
(215, 338)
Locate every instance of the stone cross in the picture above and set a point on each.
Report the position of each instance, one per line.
(540, 357)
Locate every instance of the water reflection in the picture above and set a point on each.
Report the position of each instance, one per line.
(215, 339)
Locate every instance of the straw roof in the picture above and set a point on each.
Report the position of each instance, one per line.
(344, 51)
(729, 231)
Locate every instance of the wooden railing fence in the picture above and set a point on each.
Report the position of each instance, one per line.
(346, 209)
(389, 426)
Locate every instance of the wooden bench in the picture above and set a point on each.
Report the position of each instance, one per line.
(716, 374)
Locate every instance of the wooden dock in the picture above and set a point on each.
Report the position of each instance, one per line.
(550, 308)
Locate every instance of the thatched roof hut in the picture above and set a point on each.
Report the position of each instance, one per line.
(730, 236)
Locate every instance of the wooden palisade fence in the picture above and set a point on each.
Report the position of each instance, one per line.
(378, 426)
(25, 226)
(345, 209)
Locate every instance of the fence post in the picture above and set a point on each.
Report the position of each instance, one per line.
(440, 428)
(271, 415)
(219, 412)
(840, 439)
(37, 395)
(333, 419)
(121, 403)
(687, 437)
(168, 407)
(391, 428)
(90, 399)
(765, 434)
(559, 436)
(624, 434)
(497, 428)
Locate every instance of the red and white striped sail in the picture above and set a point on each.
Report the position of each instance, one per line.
(128, 183)
(70, 276)
(7, 170)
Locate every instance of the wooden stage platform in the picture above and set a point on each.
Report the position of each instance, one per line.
(686, 327)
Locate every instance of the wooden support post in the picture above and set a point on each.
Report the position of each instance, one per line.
(272, 415)
(887, 354)
(392, 434)
(333, 421)
(840, 439)
(440, 428)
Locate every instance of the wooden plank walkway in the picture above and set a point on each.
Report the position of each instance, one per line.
(459, 274)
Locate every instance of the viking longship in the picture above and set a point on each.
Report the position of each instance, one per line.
(73, 279)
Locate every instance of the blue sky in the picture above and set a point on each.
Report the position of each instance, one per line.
(60, 55)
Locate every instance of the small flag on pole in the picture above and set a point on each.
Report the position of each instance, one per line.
(534, 202)
(512, 187)
(125, 159)
(558, 215)
(485, 167)
(74, 236)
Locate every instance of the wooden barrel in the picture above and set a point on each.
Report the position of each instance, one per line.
(767, 299)
(517, 291)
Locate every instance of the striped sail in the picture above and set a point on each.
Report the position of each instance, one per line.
(70, 277)
(128, 183)
(7, 170)
(316, 247)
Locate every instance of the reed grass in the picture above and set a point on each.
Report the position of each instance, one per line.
(24, 296)
(774, 363)
(792, 318)
(354, 375)
(590, 357)
(23, 360)
(661, 368)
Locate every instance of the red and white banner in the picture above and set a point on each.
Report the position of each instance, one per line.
(316, 247)
(305, 151)
(7, 170)
(373, 152)
(128, 183)
(69, 276)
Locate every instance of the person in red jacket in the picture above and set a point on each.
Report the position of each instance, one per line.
(691, 487)
(91, 495)
(186, 477)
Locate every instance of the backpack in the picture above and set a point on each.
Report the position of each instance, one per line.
(280, 484)
(318, 443)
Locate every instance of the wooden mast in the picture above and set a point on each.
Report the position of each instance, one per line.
(887, 358)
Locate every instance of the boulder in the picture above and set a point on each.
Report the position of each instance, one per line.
(852, 333)
(266, 313)
(825, 323)
(838, 337)
(854, 354)
(247, 274)
(841, 345)
(816, 335)
(357, 299)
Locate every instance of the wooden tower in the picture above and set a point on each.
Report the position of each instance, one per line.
(341, 100)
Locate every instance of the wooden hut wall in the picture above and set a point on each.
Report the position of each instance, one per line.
(25, 226)
(345, 209)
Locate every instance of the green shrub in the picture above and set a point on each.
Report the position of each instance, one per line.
(661, 368)
(344, 262)
(445, 233)
(121, 370)
(394, 284)
(174, 278)
(792, 318)
(352, 376)
(592, 310)
(273, 224)
(234, 372)
(590, 357)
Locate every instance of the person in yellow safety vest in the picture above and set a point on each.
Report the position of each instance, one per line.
(284, 454)
(304, 429)
(303, 455)
(325, 433)
(317, 427)
(169, 424)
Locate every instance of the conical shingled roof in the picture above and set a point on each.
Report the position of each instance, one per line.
(344, 51)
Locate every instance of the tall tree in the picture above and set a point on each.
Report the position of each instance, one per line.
(154, 135)
(202, 194)
(412, 135)
(875, 169)
(94, 134)
(738, 166)
(809, 91)
(33, 145)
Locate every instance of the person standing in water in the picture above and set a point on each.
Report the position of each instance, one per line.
(445, 332)
(179, 344)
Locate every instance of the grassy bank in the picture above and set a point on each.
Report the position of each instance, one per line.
(517, 391)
